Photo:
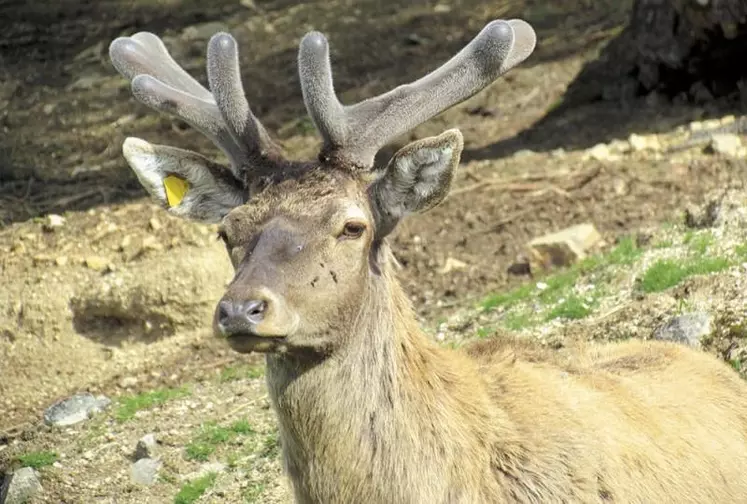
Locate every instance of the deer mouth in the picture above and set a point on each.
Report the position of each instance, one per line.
(246, 342)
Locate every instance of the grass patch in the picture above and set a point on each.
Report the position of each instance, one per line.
(37, 459)
(517, 321)
(667, 273)
(736, 364)
(211, 436)
(508, 299)
(254, 492)
(572, 308)
(129, 405)
(193, 490)
(484, 332)
(559, 287)
(699, 243)
(625, 253)
(240, 372)
(741, 251)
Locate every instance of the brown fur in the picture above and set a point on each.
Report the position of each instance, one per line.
(371, 411)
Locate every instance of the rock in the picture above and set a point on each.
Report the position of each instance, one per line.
(128, 382)
(644, 142)
(689, 329)
(720, 209)
(145, 471)
(75, 409)
(601, 152)
(726, 144)
(61, 260)
(564, 247)
(520, 268)
(154, 224)
(20, 486)
(96, 263)
(453, 264)
(147, 447)
(53, 221)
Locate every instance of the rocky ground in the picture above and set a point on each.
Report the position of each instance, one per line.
(105, 294)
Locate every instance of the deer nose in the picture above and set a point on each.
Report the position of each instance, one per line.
(240, 316)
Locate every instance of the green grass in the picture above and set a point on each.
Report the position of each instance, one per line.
(240, 372)
(193, 490)
(699, 243)
(129, 405)
(254, 492)
(211, 436)
(508, 299)
(572, 308)
(484, 332)
(518, 321)
(37, 459)
(625, 253)
(559, 286)
(741, 251)
(667, 273)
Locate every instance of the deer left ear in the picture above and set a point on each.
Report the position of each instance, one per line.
(418, 178)
(184, 182)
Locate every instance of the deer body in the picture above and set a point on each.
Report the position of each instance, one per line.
(369, 410)
(502, 422)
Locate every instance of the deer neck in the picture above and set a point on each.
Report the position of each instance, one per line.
(389, 393)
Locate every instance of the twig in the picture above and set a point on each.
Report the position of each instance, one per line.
(246, 405)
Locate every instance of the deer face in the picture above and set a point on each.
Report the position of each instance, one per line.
(304, 238)
(300, 252)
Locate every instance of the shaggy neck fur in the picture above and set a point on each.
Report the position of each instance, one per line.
(375, 420)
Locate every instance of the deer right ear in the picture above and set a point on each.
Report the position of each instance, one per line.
(184, 182)
(418, 178)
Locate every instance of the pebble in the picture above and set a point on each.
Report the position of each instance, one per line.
(726, 144)
(96, 263)
(689, 329)
(147, 447)
(20, 486)
(53, 221)
(75, 409)
(145, 471)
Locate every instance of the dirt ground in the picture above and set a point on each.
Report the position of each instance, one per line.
(119, 297)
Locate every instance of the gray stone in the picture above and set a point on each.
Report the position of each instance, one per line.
(75, 409)
(689, 329)
(20, 486)
(147, 447)
(145, 471)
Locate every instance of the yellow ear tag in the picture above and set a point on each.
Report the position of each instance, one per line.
(176, 188)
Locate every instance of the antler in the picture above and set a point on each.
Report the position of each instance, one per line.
(223, 116)
(354, 133)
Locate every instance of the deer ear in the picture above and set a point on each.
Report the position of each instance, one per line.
(418, 178)
(184, 182)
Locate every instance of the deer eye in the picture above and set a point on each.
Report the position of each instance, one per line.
(352, 230)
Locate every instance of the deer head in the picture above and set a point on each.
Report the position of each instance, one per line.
(305, 238)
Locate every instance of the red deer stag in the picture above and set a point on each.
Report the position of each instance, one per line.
(369, 409)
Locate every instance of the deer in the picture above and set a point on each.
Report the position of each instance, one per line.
(369, 408)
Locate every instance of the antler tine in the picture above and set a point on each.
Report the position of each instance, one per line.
(355, 133)
(159, 82)
(225, 82)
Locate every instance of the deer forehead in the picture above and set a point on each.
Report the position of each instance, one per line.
(321, 197)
